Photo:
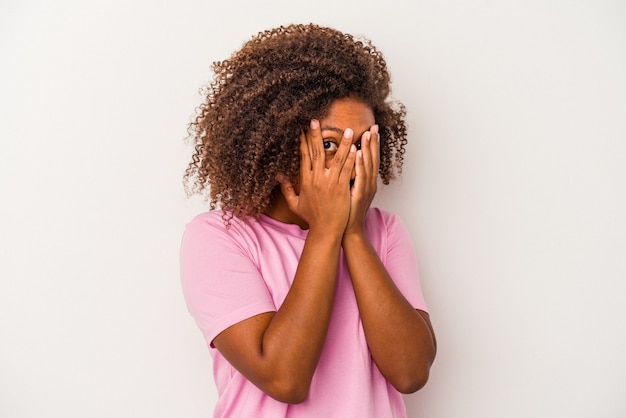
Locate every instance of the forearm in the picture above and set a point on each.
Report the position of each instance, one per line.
(279, 352)
(294, 339)
(400, 338)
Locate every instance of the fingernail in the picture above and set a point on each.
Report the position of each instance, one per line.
(367, 136)
(348, 133)
(314, 124)
(352, 148)
(375, 129)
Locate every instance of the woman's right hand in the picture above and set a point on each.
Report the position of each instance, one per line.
(279, 352)
(322, 198)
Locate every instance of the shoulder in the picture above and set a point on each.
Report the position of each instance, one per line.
(209, 244)
(214, 219)
(220, 231)
(210, 229)
(386, 230)
(215, 222)
(382, 220)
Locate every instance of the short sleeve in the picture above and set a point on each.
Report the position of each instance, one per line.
(398, 255)
(220, 282)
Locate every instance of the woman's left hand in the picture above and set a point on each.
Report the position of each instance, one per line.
(365, 183)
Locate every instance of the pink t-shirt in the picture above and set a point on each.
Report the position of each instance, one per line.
(229, 275)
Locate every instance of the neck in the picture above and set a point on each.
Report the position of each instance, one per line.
(279, 210)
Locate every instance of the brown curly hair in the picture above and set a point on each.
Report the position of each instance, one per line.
(260, 99)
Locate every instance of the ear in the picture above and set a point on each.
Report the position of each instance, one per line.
(289, 193)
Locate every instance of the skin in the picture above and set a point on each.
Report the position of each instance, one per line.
(279, 351)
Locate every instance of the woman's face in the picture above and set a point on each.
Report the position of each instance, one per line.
(342, 114)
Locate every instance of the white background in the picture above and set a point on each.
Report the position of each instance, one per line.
(513, 190)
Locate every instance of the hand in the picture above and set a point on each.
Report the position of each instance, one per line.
(323, 198)
(364, 189)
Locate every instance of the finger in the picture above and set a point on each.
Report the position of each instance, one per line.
(305, 153)
(366, 152)
(343, 151)
(360, 173)
(305, 156)
(375, 150)
(345, 174)
(316, 145)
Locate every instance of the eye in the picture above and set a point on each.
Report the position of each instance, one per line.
(358, 145)
(330, 146)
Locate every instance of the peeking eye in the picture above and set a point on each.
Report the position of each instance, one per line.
(358, 145)
(330, 146)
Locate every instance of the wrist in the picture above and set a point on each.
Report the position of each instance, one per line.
(325, 234)
(354, 235)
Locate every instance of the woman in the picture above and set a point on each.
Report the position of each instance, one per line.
(308, 298)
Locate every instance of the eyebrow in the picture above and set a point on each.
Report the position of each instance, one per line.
(332, 128)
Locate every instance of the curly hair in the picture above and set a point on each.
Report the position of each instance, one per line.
(246, 132)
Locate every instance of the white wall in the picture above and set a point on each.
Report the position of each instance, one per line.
(514, 191)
